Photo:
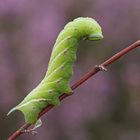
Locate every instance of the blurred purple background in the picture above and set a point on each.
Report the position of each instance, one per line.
(106, 107)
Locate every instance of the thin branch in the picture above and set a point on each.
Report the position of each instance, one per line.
(78, 83)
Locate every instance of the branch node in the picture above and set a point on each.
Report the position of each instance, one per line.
(100, 68)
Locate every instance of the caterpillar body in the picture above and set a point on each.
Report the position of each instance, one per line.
(60, 68)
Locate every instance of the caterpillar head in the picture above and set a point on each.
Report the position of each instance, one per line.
(95, 31)
(89, 28)
(95, 36)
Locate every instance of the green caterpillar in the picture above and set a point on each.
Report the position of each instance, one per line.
(60, 68)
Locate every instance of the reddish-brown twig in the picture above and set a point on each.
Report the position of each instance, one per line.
(78, 83)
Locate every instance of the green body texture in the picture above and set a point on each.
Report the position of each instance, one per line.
(60, 68)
